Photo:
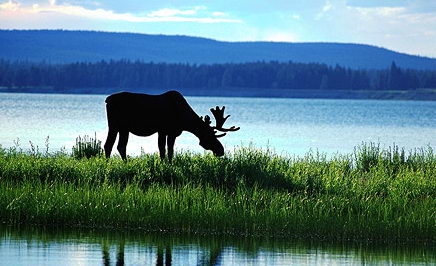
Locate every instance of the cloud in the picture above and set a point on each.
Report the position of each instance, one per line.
(398, 21)
(169, 12)
(401, 28)
(10, 6)
(161, 15)
(218, 14)
(325, 9)
(379, 11)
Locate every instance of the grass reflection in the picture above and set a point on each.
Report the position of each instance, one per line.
(133, 247)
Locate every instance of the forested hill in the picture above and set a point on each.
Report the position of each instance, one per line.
(58, 46)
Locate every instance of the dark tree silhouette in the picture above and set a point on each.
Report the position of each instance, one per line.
(97, 77)
(167, 114)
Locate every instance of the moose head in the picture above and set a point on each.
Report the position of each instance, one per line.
(210, 140)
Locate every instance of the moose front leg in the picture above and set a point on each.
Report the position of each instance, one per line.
(170, 142)
(110, 140)
(161, 141)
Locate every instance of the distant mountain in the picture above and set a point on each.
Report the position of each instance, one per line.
(58, 46)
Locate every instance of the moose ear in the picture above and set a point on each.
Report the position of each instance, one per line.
(206, 119)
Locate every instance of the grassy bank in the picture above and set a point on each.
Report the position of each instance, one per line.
(371, 194)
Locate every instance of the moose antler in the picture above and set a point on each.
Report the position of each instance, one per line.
(206, 119)
(220, 120)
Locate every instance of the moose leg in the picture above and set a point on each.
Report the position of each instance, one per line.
(110, 140)
(122, 143)
(170, 142)
(161, 141)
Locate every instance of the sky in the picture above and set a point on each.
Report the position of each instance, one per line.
(407, 26)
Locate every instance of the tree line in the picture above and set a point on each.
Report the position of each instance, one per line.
(264, 75)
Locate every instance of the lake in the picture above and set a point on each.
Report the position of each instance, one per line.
(286, 126)
(36, 246)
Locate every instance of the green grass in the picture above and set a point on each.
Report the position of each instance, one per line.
(375, 194)
(87, 147)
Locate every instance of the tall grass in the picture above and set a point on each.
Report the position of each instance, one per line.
(87, 147)
(371, 194)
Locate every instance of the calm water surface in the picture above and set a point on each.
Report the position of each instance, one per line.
(20, 246)
(290, 126)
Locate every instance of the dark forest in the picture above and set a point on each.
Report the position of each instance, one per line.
(261, 75)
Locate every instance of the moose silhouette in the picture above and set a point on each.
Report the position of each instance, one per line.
(168, 114)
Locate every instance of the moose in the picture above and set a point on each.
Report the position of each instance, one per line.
(168, 114)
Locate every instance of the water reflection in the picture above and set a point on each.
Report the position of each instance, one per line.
(36, 246)
(106, 254)
(163, 254)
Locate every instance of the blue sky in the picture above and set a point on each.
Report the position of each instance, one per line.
(402, 25)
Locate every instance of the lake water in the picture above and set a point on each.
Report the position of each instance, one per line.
(287, 126)
(19, 246)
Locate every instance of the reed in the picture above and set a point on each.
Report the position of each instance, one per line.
(87, 147)
(378, 194)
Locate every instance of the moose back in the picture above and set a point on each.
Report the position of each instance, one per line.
(167, 114)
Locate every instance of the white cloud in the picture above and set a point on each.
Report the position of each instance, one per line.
(326, 7)
(218, 14)
(399, 28)
(162, 15)
(395, 21)
(379, 11)
(10, 6)
(169, 12)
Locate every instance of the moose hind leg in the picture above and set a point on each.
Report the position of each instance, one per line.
(161, 141)
(110, 140)
(122, 143)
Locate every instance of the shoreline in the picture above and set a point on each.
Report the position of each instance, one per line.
(130, 231)
(416, 95)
